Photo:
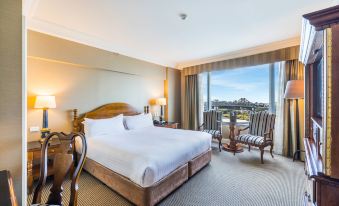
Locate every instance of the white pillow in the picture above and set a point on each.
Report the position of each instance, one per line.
(138, 121)
(109, 126)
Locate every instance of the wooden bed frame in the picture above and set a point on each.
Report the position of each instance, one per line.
(148, 196)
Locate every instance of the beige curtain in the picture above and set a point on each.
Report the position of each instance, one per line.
(256, 59)
(191, 110)
(293, 112)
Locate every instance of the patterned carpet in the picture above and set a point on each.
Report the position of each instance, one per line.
(228, 180)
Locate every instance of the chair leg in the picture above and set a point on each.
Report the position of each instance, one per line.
(262, 155)
(219, 144)
(271, 151)
(249, 148)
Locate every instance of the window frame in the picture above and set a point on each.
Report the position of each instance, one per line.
(272, 107)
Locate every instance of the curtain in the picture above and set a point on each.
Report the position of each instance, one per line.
(280, 108)
(289, 128)
(284, 54)
(191, 110)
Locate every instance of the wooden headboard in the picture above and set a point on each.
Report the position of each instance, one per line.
(105, 111)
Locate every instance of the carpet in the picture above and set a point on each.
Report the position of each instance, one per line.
(227, 180)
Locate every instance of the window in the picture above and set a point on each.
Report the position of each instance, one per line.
(243, 90)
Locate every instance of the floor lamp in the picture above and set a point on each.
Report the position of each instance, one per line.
(294, 91)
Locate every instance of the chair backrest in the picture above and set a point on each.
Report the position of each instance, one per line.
(212, 120)
(261, 123)
(64, 162)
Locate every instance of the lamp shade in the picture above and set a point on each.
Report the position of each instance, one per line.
(294, 89)
(45, 102)
(161, 101)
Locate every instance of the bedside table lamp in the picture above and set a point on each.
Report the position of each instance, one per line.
(162, 103)
(294, 91)
(45, 103)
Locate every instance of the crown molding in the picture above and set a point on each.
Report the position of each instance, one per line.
(29, 7)
(56, 30)
(243, 52)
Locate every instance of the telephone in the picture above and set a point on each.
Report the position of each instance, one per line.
(157, 122)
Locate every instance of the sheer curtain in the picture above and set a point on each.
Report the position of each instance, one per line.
(280, 108)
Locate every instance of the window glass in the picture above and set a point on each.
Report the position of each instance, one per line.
(204, 88)
(242, 90)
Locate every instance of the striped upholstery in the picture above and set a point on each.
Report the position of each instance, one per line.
(212, 124)
(260, 123)
(247, 138)
(212, 120)
(212, 132)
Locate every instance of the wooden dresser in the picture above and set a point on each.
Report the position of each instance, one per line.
(319, 51)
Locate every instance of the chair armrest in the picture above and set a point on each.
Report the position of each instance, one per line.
(239, 130)
(201, 126)
(267, 134)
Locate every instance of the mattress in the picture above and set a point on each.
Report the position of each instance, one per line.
(147, 155)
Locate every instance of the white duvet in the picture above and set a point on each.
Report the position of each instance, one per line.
(147, 155)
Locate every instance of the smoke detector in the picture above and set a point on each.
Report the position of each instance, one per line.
(183, 16)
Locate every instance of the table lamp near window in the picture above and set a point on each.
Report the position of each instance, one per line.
(162, 103)
(45, 102)
(294, 91)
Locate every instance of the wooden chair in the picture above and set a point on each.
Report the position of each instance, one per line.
(64, 162)
(260, 132)
(212, 120)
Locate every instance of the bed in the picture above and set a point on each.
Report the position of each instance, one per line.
(143, 165)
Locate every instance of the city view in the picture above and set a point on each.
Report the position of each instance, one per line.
(241, 90)
(242, 107)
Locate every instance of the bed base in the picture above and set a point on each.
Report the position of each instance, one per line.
(134, 193)
(196, 164)
(148, 196)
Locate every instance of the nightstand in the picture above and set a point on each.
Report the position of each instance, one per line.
(34, 158)
(173, 125)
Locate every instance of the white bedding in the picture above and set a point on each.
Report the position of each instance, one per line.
(147, 155)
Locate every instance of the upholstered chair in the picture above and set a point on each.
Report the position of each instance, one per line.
(260, 132)
(212, 120)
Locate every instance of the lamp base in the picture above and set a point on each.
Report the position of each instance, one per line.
(45, 132)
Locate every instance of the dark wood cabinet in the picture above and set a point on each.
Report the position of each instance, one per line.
(7, 194)
(319, 51)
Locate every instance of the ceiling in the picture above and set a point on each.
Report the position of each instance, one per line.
(152, 30)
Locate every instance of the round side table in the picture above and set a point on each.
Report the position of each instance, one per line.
(232, 146)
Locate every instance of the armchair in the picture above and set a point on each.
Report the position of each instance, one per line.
(212, 124)
(260, 132)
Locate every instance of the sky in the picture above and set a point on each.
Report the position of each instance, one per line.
(249, 82)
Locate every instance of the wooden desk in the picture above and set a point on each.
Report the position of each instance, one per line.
(34, 159)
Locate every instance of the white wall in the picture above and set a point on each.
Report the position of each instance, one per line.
(84, 77)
